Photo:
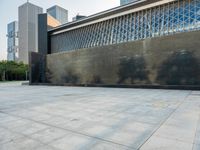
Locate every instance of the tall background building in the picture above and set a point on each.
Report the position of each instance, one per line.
(58, 13)
(12, 41)
(78, 17)
(28, 30)
(123, 2)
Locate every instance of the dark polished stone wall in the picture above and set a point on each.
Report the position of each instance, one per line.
(37, 67)
(169, 60)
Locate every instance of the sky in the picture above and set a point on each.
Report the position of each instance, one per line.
(9, 12)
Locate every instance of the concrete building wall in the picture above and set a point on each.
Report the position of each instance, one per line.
(28, 30)
(42, 33)
(52, 22)
(169, 60)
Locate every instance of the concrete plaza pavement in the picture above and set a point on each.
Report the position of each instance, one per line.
(85, 118)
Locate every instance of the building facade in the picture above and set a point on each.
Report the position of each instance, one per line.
(154, 42)
(12, 41)
(123, 2)
(58, 13)
(52, 22)
(145, 21)
(28, 29)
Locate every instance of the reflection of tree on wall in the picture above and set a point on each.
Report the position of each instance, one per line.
(96, 80)
(181, 68)
(70, 77)
(49, 75)
(133, 68)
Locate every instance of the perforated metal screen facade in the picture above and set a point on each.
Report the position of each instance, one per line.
(166, 19)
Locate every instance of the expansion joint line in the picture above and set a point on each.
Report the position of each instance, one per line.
(165, 120)
(196, 131)
(69, 130)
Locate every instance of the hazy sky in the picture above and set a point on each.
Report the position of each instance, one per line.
(9, 12)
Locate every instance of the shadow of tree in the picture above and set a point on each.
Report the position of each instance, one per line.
(133, 68)
(181, 68)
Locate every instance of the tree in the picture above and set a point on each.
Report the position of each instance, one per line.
(10, 70)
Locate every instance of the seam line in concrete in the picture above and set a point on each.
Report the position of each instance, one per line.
(196, 134)
(165, 120)
(72, 131)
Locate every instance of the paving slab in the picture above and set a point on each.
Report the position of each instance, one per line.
(49, 135)
(8, 136)
(84, 118)
(196, 147)
(23, 143)
(159, 143)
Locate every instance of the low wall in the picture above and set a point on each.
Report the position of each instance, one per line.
(169, 60)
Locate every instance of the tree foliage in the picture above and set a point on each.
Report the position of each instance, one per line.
(10, 70)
